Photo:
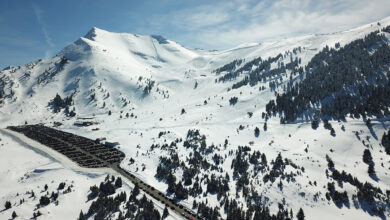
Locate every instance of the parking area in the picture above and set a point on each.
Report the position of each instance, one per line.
(81, 150)
(87, 153)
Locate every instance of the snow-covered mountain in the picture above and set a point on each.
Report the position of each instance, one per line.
(151, 95)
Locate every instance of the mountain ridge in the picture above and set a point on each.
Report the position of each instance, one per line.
(187, 119)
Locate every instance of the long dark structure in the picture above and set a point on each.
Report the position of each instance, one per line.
(88, 153)
(83, 151)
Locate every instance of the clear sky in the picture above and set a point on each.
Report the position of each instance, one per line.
(33, 29)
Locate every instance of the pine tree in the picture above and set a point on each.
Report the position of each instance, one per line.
(257, 215)
(194, 204)
(61, 186)
(233, 100)
(180, 191)
(386, 142)
(44, 200)
(367, 158)
(136, 190)
(330, 162)
(14, 215)
(81, 216)
(314, 124)
(165, 213)
(300, 215)
(368, 123)
(371, 170)
(257, 132)
(7, 205)
(332, 132)
(118, 182)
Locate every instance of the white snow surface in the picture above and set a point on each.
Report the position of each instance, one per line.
(109, 71)
(28, 165)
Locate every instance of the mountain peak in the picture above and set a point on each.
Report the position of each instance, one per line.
(160, 39)
(149, 91)
(94, 32)
(91, 34)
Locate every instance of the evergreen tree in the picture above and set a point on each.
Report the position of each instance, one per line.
(263, 159)
(371, 170)
(118, 182)
(257, 132)
(166, 213)
(7, 205)
(354, 86)
(181, 192)
(81, 216)
(94, 192)
(368, 123)
(332, 132)
(300, 214)
(315, 123)
(14, 215)
(136, 190)
(386, 142)
(330, 162)
(367, 158)
(44, 200)
(61, 186)
(233, 100)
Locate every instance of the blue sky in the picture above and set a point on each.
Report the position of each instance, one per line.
(30, 29)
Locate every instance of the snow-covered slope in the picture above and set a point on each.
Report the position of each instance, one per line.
(30, 166)
(137, 86)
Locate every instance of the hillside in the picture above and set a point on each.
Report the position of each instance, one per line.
(260, 129)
